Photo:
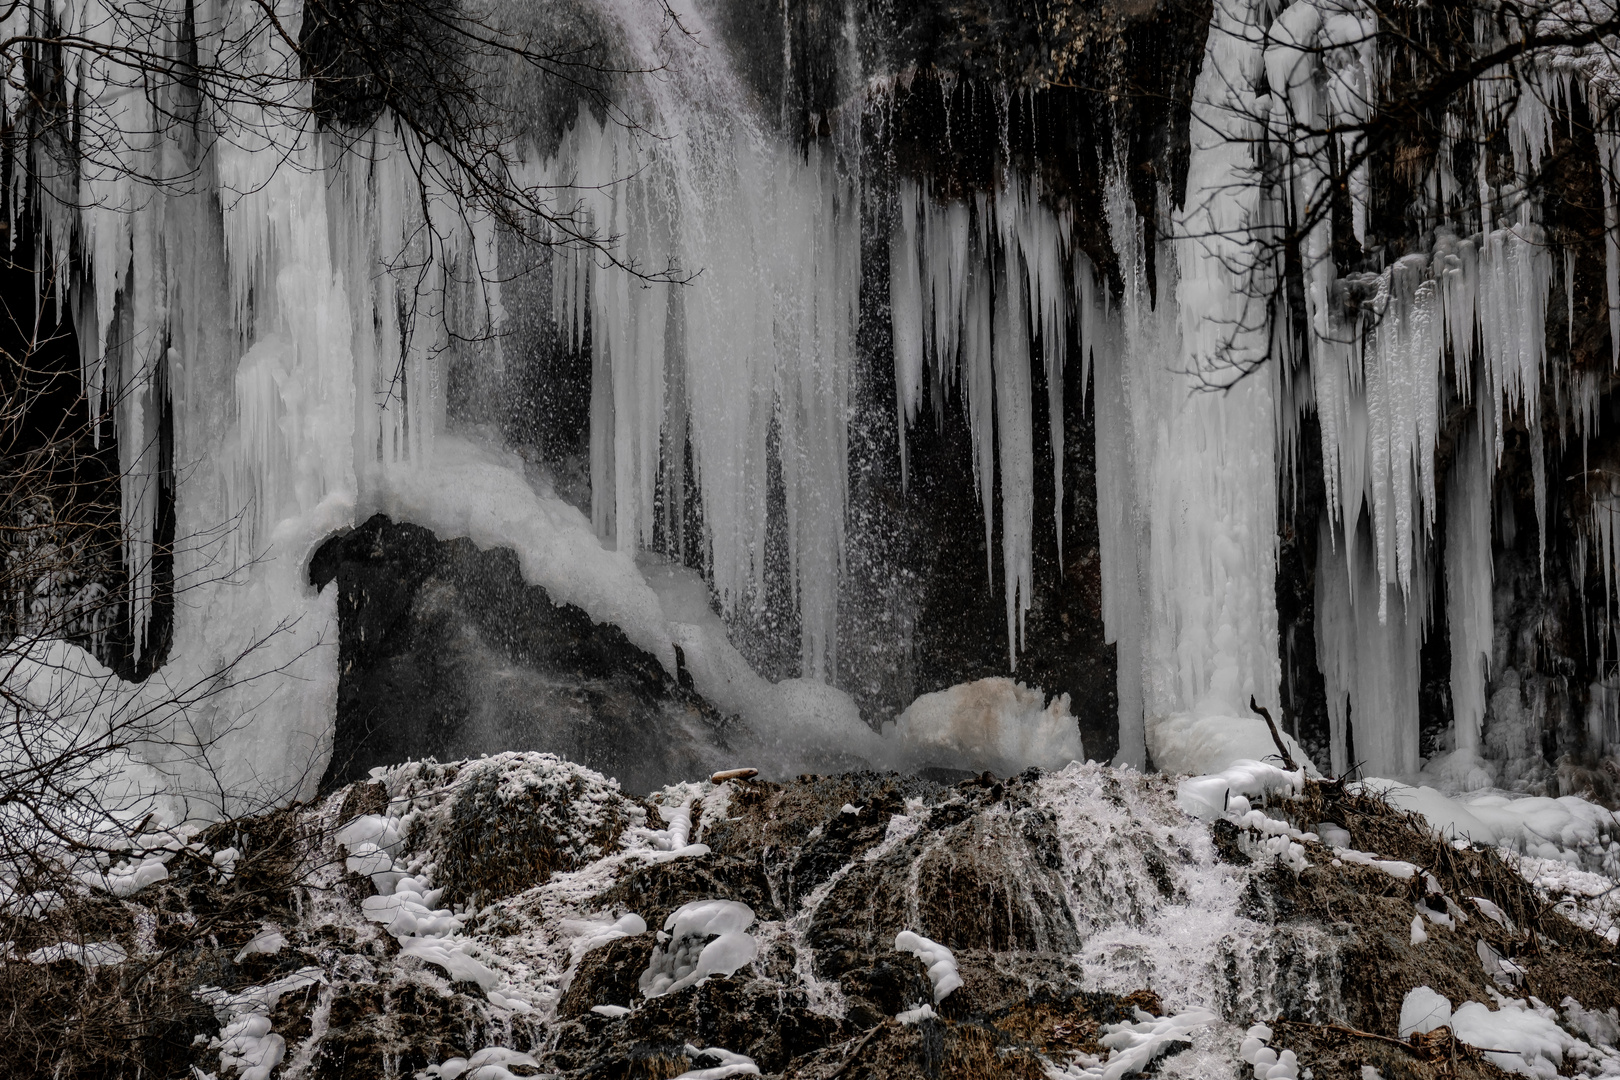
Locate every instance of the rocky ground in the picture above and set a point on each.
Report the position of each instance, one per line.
(501, 917)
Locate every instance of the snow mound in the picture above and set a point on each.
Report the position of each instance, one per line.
(1570, 828)
(1519, 1036)
(1235, 787)
(993, 724)
(726, 1064)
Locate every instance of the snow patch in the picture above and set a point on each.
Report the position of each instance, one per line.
(726, 1064)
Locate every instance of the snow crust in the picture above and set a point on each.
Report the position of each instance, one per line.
(1568, 827)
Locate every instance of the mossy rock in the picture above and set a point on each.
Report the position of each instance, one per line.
(516, 819)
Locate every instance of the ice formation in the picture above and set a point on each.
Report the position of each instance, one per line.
(699, 939)
(1519, 1036)
(1422, 1011)
(1269, 1064)
(1567, 828)
(993, 724)
(1132, 1046)
(975, 284)
(942, 970)
(727, 1064)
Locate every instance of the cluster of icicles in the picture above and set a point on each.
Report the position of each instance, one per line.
(1378, 348)
(985, 292)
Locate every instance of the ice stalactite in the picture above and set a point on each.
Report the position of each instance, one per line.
(211, 295)
(1118, 523)
(1603, 536)
(1016, 452)
(1368, 653)
(1379, 347)
(975, 285)
(764, 337)
(1378, 379)
(1469, 574)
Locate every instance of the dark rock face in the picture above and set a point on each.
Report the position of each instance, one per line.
(444, 651)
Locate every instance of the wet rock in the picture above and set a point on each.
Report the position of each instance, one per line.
(655, 891)
(892, 983)
(1225, 835)
(755, 1017)
(969, 880)
(608, 975)
(375, 1030)
(445, 651)
(508, 827)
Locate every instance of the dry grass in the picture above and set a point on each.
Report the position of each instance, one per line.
(1376, 911)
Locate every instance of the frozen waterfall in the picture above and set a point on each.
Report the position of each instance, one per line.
(311, 308)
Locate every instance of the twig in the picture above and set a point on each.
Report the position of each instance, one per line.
(1288, 758)
(855, 1053)
(1402, 1043)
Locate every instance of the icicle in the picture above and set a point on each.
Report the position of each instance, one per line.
(1016, 450)
(1118, 533)
(1469, 576)
(977, 380)
(762, 341)
(1013, 238)
(1335, 640)
(1369, 664)
(906, 305)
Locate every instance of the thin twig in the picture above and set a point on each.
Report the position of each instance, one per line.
(1288, 759)
(855, 1053)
